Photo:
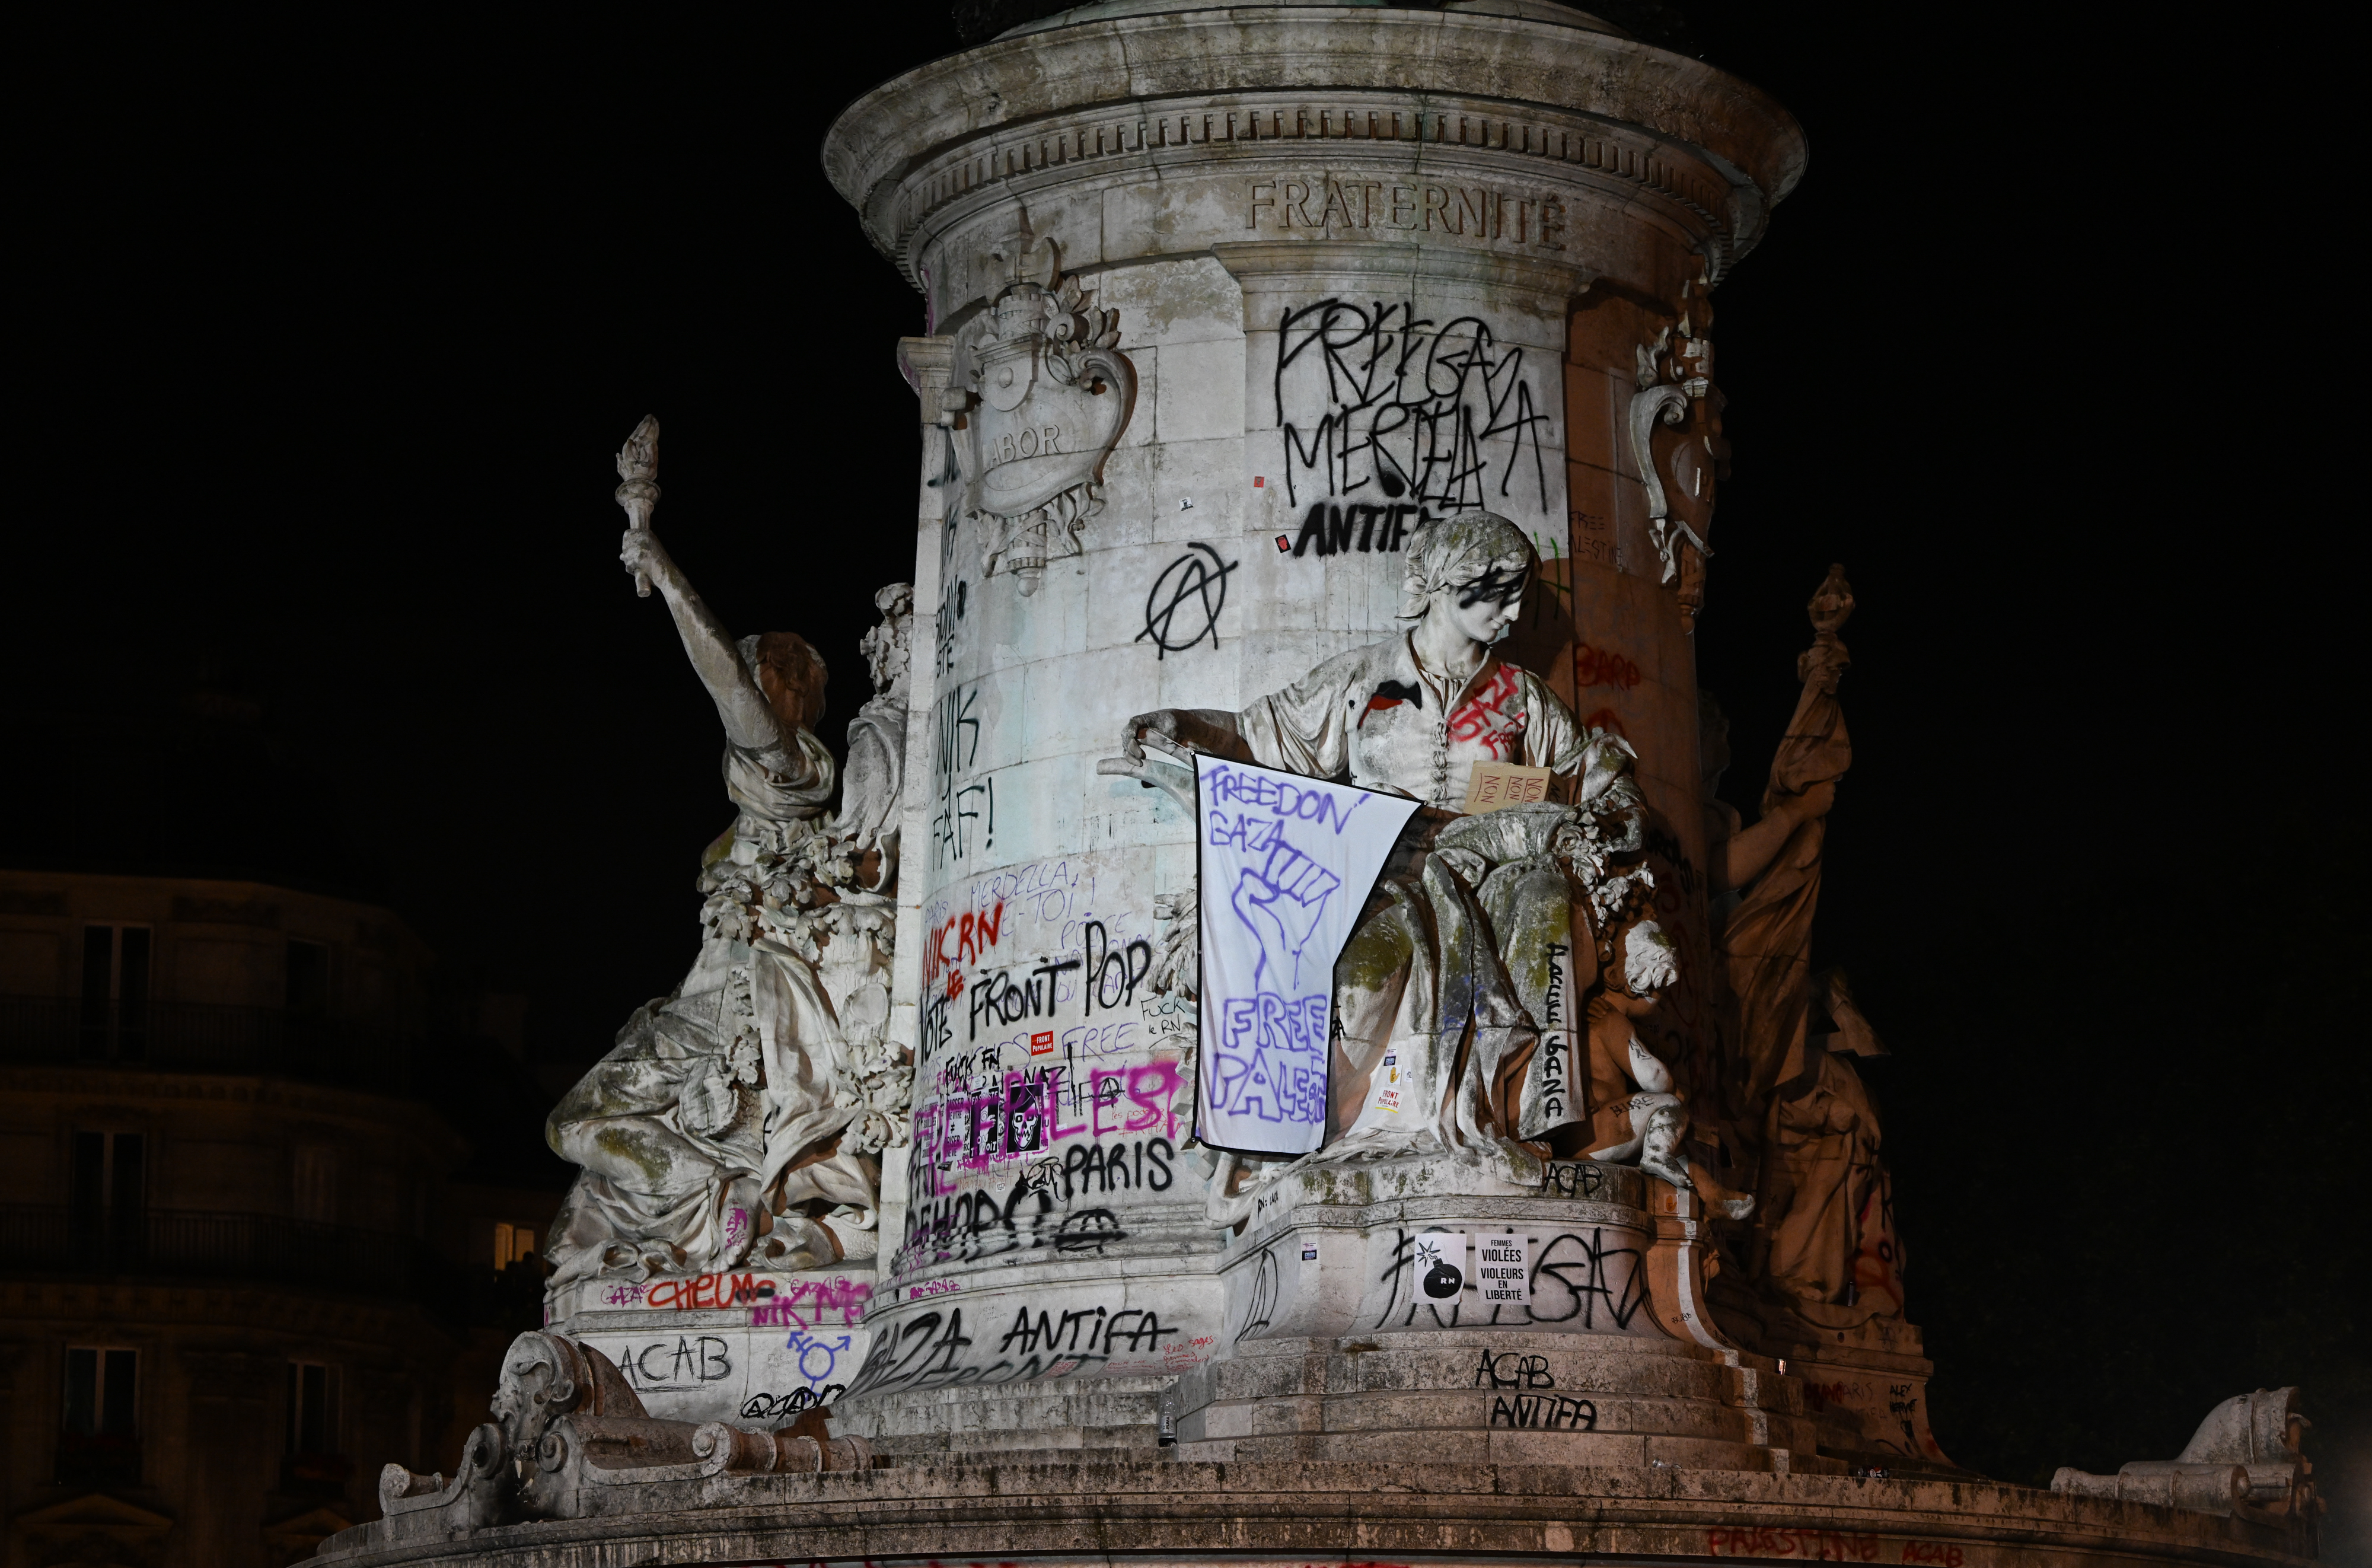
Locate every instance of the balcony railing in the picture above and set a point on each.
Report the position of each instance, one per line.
(196, 1037)
(161, 1244)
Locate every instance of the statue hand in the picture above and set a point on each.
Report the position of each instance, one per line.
(644, 556)
(1817, 801)
(1163, 726)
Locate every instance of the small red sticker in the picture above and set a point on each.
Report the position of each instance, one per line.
(1042, 1044)
(1259, 480)
(1284, 545)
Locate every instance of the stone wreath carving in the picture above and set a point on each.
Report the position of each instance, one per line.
(1040, 399)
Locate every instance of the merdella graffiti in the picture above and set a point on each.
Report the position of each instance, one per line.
(1373, 397)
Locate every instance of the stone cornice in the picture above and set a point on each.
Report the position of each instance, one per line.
(1124, 91)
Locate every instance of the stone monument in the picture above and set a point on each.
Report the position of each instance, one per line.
(1325, 393)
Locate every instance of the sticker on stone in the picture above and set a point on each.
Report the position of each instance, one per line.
(1502, 1266)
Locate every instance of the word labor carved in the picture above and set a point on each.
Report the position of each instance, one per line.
(1041, 397)
(1329, 201)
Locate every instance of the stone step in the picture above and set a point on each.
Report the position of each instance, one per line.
(1578, 1412)
(1111, 1412)
(1488, 1370)
(1436, 1447)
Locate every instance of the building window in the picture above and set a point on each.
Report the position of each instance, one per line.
(115, 990)
(312, 1409)
(108, 1189)
(308, 993)
(314, 1183)
(513, 1244)
(99, 1440)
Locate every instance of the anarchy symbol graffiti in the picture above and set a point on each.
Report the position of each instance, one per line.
(1186, 598)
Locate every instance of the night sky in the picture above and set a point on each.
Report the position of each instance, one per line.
(324, 341)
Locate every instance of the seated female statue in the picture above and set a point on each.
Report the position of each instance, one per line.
(1487, 937)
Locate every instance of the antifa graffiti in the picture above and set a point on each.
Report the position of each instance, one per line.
(935, 1350)
(1386, 414)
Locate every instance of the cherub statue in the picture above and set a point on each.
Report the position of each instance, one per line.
(733, 1122)
(1454, 997)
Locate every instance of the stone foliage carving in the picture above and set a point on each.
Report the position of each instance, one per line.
(1678, 474)
(1455, 997)
(1040, 398)
(733, 1123)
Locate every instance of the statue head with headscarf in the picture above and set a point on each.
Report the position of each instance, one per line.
(1472, 568)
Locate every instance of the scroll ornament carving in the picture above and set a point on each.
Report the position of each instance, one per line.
(1676, 388)
(1040, 400)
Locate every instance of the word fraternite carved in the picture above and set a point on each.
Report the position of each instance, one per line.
(1040, 399)
(739, 1120)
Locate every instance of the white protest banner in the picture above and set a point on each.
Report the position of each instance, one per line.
(1285, 862)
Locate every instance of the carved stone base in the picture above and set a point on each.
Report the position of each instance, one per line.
(1483, 1396)
(762, 1350)
(1103, 1418)
(1865, 1385)
(1164, 1515)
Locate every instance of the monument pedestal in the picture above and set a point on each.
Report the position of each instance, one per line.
(1167, 1514)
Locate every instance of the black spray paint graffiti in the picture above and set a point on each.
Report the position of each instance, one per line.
(961, 806)
(1572, 1178)
(970, 1226)
(1571, 1278)
(1545, 1412)
(1102, 1327)
(1507, 1369)
(927, 1350)
(678, 1368)
(1263, 1295)
(1376, 395)
(1182, 607)
(775, 1407)
(1001, 999)
(1578, 1279)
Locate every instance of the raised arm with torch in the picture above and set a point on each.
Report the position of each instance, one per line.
(639, 467)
